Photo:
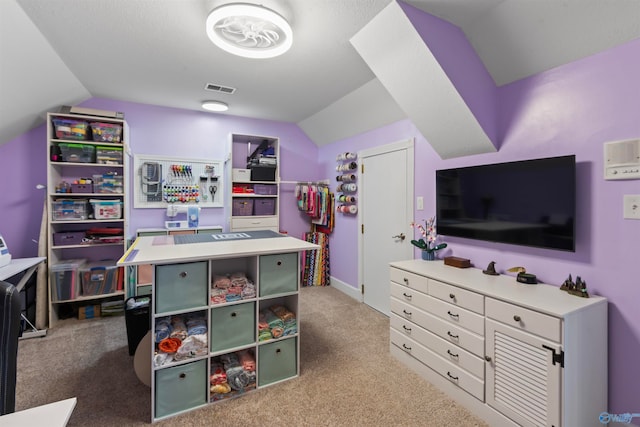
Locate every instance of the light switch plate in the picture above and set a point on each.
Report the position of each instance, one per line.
(420, 203)
(631, 206)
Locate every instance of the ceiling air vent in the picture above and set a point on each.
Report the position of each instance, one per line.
(219, 88)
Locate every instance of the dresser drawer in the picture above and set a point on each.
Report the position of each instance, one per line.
(457, 296)
(410, 296)
(456, 315)
(254, 223)
(527, 320)
(451, 352)
(411, 280)
(453, 373)
(181, 286)
(449, 332)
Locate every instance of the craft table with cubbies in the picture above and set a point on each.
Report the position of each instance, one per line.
(183, 276)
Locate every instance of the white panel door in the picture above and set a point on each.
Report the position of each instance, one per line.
(386, 207)
(523, 380)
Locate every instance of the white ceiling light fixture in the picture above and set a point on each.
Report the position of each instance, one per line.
(215, 106)
(249, 30)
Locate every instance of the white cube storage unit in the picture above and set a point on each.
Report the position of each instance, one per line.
(513, 354)
(230, 337)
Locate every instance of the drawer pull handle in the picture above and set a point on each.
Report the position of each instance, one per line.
(406, 281)
(487, 358)
(406, 329)
(183, 274)
(234, 314)
(452, 354)
(182, 376)
(517, 318)
(451, 376)
(452, 296)
(278, 351)
(406, 348)
(455, 316)
(279, 263)
(455, 337)
(408, 313)
(406, 295)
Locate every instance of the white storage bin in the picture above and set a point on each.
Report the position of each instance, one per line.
(106, 209)
(241, 175)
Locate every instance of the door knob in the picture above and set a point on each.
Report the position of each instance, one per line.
(400, 236)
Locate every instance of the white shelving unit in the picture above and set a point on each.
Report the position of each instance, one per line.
(70, 214)
(258, 207)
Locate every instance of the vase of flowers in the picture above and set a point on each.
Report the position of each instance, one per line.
(428, 240)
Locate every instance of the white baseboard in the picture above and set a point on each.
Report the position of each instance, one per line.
(347, 289)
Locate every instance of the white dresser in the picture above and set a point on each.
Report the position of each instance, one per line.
(513, 354)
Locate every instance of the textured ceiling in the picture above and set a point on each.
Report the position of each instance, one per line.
(156, 52)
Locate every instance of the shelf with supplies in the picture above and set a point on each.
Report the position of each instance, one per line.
(87, 158)
(254, 183)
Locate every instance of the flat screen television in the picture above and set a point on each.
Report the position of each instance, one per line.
(529, 202)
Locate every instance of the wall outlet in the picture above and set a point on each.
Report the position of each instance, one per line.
(631, 206)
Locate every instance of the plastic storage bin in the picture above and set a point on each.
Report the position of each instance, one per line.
(99, 278)
(108, 184)
(137, 317)
(77, 153)
(106, 132)
(106, 209)
(109, 155)
(264, 207)
(69, 210)
(64, 280)
(70, 129)
(242, 207)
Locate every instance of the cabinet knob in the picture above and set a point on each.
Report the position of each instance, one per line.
(406, 281)
(517, 318)
(452, 296)
(487, 358)
(182, 376)
(279, 263)
(183, 274)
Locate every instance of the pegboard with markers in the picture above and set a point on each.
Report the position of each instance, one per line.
(160, 181)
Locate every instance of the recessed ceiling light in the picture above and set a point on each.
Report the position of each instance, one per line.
(248, 30)
(215, 106)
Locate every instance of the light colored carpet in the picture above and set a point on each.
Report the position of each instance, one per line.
(347, 377)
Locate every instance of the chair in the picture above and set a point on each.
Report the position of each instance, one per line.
(9, 333)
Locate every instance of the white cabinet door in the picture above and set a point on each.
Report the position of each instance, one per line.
(523, 379)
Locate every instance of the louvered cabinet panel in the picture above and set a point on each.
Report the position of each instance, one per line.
(522, 379)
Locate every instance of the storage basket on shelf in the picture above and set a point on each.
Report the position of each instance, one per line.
(68, 238)
(64, 280)
(265, 189)
(242, 207)
(70, 129)
(264, 207)
(106, 132)
(106, 209)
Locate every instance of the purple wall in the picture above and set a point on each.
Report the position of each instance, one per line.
(573, 109)
(153, 131)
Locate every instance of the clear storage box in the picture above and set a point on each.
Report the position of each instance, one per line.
(99, 278)
(108, 183)
(64, 280)
(106, 209)
(70, 129)
(109, 155)
(77, 153)
(106, 132)
(69, 210)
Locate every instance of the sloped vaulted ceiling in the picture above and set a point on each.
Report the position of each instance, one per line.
(435, 76)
